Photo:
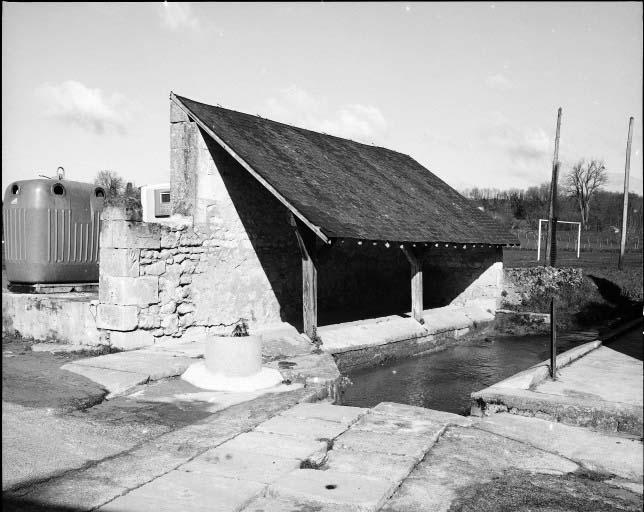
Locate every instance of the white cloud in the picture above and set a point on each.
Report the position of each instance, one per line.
(76, 104)
(178, 16)
(528, 149)
(364, 123)
(499, 82)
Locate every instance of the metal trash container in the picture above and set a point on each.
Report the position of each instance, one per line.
(51, 231)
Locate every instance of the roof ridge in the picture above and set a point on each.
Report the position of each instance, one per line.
(293, 126)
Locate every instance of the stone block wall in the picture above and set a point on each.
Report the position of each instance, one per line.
(144, 278)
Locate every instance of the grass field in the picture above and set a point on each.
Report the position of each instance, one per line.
(521, 258)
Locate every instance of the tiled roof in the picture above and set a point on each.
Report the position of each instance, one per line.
(348, 189)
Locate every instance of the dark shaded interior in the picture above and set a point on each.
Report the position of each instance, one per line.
(354, 281)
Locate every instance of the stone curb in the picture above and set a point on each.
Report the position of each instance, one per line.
(464, 318)
(536, 374)
(595, 414)
(516, 395)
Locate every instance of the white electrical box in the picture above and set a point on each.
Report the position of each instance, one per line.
(155, 200)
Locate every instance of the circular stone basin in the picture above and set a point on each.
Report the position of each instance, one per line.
(199, 375)
(232, 364)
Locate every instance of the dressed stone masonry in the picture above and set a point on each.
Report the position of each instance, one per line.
(145, 276)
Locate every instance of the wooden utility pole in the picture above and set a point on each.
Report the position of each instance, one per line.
(552, 228)
(622, 246)
(553, 340)
(552, 219)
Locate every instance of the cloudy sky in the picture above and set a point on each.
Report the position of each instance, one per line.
(470, 90)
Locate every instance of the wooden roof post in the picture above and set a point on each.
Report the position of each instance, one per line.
(306, 241)
(415, 258)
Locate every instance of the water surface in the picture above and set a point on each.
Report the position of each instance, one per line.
(444, 380)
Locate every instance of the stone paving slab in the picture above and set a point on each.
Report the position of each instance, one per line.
(326, 411)
(311, 369)
(115, 381)
(178, 490)
(333, 488)
(282, 340)
(306, 428)
(156, 364)
(124, 370)
(277, 445)
(395, 425)
(241, 465)
(463, 458)
(409, 445)
(448, 318)
(420, 413)
(376, 465)
(481, 313)
(290, 504)
(94, 485)
(596, 451)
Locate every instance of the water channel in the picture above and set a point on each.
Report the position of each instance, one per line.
(444, 380)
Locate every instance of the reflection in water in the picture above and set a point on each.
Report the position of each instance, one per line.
(444, 380)
(630, 343)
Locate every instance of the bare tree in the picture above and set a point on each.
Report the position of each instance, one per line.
(112, 183)
(583, 181)
(117, 191)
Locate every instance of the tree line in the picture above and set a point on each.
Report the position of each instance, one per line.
(580, 198)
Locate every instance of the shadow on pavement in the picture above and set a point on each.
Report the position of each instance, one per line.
(20, 505)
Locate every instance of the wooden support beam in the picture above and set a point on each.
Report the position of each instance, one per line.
(415, 258)
(306, 240)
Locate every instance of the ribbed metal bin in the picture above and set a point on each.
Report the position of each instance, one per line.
(51, 230)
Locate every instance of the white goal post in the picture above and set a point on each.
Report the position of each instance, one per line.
(559, 222)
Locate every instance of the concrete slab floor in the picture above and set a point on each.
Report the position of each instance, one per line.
(471, 469)
(603, 374)
(194, 491)
(241, 465)
(361, 492)
(600, 452)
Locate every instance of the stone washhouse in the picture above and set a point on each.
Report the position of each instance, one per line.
(273, 223)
